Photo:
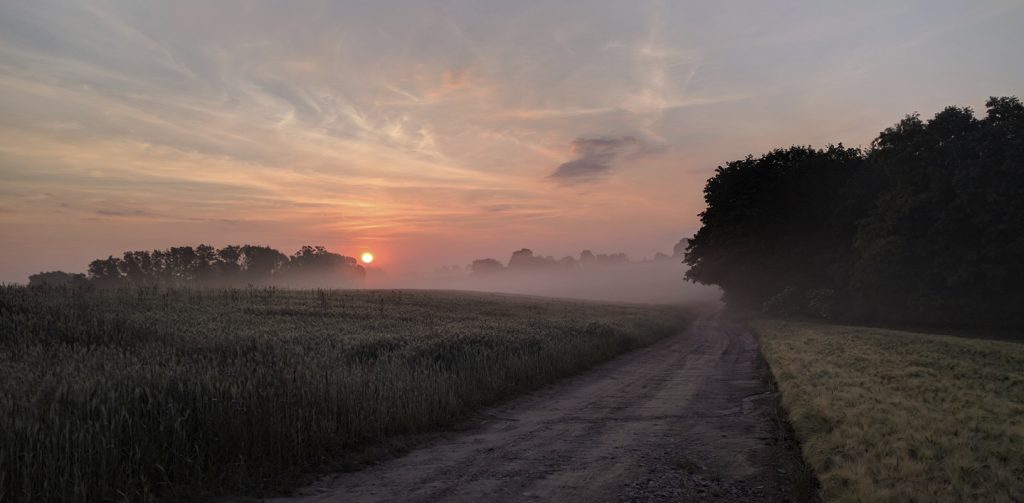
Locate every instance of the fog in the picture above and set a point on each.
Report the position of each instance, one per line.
(657, 282)
(604, 277)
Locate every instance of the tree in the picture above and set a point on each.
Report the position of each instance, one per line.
(521, 259)
(486, 266)
(228, 265)
(205, 267)
(181, 262)
(525, 259)
(315, 266)
(782, 222)
(57, 278)
(945, 242)
(927, 226)
(106, 272)
(259, 264)
(137, 268)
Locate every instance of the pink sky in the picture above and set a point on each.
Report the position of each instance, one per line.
(436, 135)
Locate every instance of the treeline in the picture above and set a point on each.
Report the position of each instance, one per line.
(924, 226)
(205, 265)
(524, 260)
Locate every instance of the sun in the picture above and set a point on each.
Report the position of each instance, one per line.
(367, 257)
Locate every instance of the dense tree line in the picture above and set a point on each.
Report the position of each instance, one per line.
(205, 265)
(925, 226)
(57, 278)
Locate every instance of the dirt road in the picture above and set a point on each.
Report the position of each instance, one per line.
(687, 419)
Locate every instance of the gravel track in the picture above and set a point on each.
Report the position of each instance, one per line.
(690, 418)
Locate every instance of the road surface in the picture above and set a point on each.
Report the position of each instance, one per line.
(689, 418)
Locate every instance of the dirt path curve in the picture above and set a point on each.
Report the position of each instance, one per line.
(686, 419)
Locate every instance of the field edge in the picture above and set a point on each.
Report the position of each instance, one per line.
(803, 477)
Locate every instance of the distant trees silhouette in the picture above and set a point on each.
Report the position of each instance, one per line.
(314, 264)
(486, 266)
(205, 265)
(925, 226)
(588, 257)
(524, 260)
(56, 278)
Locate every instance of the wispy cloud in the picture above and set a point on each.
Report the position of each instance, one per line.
(416, 127)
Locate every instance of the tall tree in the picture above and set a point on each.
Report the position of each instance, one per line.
(783, 221)
(926, 227)
(106, 272)
(315, 266)
(945, 242)
(259, 264)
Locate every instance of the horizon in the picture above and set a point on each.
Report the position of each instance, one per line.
(337, 250)
(433, 136)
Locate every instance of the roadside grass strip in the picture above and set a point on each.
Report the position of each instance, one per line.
(887, 415)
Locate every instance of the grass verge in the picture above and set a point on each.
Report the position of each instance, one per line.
(886, 415)
(148, 394)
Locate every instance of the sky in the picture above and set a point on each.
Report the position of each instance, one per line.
(434, 133)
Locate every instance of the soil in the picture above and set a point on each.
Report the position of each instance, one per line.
(690, 418)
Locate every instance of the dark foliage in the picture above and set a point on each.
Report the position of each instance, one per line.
(946, 241)
(927, 226)
(524, 260)
(57, 278)
(312, 265)
(208, 266)
(775, 223)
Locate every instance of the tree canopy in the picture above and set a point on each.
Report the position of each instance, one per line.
(205, 265)
(925, 226)
(524, 260)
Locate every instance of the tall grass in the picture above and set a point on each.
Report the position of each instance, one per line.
(887, 415)
(148, 394)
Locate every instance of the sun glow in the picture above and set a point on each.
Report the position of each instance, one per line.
(367, 257)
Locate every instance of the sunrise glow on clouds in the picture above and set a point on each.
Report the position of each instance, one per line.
(436, 134)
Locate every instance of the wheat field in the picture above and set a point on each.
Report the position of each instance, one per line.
(150, 394)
